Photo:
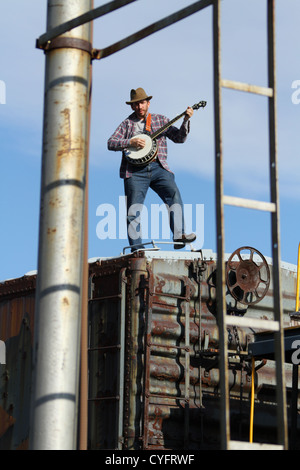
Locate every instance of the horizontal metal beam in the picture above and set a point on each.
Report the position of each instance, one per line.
(80, 20)
(242, 445)
(250, 322)
(249, 203)
(153, 28)
(240, 86)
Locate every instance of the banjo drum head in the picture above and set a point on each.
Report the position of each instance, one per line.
(144, 155)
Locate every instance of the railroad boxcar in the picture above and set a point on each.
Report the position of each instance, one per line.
(153, 352)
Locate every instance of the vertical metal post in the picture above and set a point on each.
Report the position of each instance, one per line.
(294, 408)
(298, 281)
(56, 360)
(187, 370)
(83, 416)
(221, 282)
(278, 310)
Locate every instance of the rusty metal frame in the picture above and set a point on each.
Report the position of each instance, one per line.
(153, 28)
(73, 43)
(221, 283)
(46, 41)
(275, 227)
(272, 207)
(119, 347)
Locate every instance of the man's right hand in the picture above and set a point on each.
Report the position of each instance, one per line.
(137, 142)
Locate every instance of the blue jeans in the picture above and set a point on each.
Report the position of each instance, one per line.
(163, 183)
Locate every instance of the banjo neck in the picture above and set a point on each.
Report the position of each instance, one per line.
(155, 134)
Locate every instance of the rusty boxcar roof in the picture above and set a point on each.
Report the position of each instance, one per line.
(27, 282)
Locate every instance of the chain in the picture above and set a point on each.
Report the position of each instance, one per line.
(237, 339)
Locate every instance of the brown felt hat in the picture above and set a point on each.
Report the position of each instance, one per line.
(138, 95)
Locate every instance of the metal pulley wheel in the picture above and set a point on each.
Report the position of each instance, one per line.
(247, 275)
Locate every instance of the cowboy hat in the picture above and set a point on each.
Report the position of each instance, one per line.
(138, 95)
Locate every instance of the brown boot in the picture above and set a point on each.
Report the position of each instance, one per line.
(185, 238)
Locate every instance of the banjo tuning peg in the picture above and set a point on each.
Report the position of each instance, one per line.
(201, 104)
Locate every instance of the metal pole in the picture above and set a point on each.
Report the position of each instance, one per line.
(221, 281)
(56, 359)
(83, 414)
(275, 227)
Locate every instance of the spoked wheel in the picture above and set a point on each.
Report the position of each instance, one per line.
(247, 275)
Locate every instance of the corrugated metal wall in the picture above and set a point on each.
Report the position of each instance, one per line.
(17, 301)
(170, 338)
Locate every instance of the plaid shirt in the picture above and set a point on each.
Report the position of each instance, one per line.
(125, 131)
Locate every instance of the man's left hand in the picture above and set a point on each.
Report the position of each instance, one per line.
(189, 113)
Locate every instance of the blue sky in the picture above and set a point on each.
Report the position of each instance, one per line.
(175, 66)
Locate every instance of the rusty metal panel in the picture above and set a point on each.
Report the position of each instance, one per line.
(106, 320)
(171, 374)
(153, 354)
(17, 302)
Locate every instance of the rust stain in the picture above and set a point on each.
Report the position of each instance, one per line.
(55, 202)
(24, 445)
(68, 145)
(12, 310)
(65, 138)
(157, 423)
(6, 421)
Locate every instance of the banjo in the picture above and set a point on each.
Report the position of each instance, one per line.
(145, 155)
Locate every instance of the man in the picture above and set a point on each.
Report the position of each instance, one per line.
(156, 174)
